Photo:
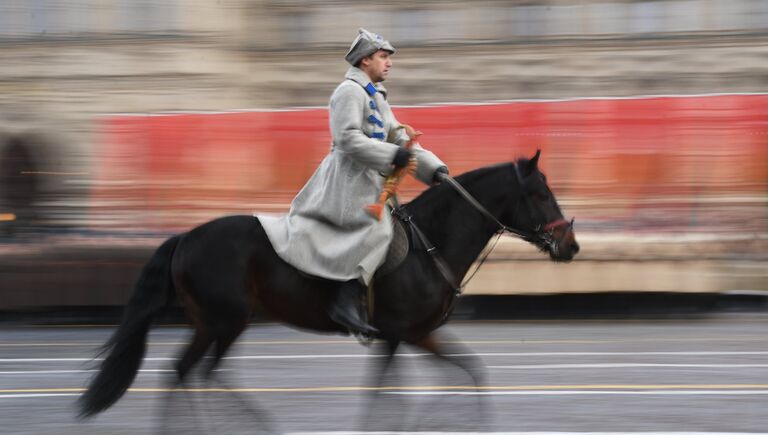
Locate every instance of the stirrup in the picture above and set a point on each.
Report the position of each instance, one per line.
(354, 326)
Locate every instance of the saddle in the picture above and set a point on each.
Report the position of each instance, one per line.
(398, 248)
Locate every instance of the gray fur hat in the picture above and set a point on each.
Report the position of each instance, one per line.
(365, 45)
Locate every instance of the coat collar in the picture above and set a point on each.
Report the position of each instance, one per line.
(358, 76)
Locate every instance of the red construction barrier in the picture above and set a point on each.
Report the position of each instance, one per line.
(175, 170)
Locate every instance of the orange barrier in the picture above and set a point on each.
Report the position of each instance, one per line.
(175, 170)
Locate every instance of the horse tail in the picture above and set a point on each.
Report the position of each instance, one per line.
(153, 292)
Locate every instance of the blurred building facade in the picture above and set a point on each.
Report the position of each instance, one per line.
(68, 61)
(67, 64)
(135, 56)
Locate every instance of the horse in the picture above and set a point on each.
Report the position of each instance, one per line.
(225, 269)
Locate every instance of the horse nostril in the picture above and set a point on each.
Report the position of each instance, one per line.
(574, 248)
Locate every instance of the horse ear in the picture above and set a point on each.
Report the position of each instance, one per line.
(533, 163)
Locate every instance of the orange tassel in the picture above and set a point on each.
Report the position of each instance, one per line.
(393, 181)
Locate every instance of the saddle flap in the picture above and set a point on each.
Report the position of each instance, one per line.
(398, 248)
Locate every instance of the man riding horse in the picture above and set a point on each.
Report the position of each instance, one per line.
(327, 232)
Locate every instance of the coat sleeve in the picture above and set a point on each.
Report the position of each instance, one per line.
(346, 117)
(427, 162)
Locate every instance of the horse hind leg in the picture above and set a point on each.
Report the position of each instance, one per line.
(193, 353)
(201, 339)
(225, 335)
(218, 332)
(236, 410)
(179, 411)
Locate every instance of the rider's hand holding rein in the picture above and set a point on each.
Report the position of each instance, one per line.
(440, 173)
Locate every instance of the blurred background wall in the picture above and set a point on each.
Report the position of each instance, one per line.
(128, 56)
(669, 192)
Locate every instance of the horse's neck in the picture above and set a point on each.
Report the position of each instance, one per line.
(455, 227)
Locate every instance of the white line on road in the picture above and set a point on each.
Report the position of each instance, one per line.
(60, 372)
(691, 353)
(415, 355)
(522, 391)
(583, 393)
(26, 360)
(521, 433)
(510, 354)
(626, 365)
(29, 396)
(526, 342)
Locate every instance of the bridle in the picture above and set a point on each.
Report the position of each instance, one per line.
(542, 236)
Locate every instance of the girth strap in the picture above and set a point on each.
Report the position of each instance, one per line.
(442, 266)
(417, 234)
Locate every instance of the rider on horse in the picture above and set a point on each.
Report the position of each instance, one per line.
(327, 232)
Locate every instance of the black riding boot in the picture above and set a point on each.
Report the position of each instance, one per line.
(349, 310)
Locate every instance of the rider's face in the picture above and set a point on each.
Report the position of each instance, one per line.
(377, 65)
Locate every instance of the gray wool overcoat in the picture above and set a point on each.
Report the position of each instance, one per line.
(327, 232)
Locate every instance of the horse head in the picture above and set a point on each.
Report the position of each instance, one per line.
(537, 215)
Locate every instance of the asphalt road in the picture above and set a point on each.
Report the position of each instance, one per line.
(671, 376)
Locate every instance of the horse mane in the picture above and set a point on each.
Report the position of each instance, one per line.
(435, 195)
(443, 215)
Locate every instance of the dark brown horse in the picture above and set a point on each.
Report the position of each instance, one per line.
(223, 270)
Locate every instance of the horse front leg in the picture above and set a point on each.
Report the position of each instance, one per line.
(449, 349)
(451, 410)
(384, 364)
(381, 408)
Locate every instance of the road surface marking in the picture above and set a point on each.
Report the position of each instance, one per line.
(414, 355)
(624, 365)
(584, 393)
(431, 389)
(518, 433)
(60, 372)
(29, 396)
(521, 341)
